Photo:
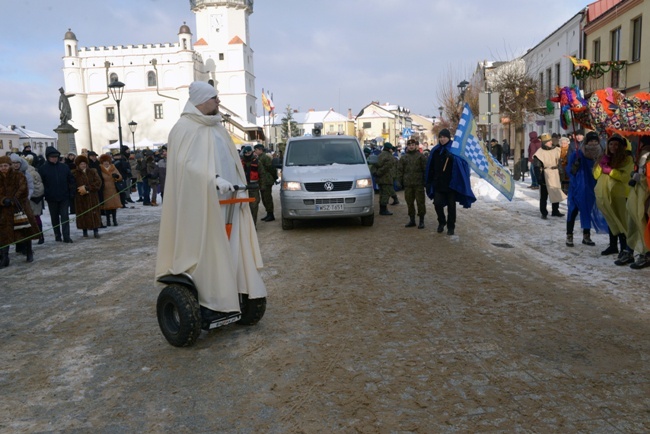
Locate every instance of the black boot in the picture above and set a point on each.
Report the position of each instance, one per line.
(269, 217)
(421, 224)
(4, 257)
(411, 223)
(383, 210)
(28, 251)
(612, 249)
(85, 233)
(114, 213)
(108, 219)
(395, 200)
(96, 233)
(41, 238)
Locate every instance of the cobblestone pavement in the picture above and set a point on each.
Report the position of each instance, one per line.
(380, 329)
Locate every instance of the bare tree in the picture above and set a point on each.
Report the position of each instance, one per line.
(519, 100)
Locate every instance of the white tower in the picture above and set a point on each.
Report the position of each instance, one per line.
(224, 44)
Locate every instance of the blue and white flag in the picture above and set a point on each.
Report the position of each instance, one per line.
(467, 146)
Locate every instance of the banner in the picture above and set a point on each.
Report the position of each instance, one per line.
(467, 146)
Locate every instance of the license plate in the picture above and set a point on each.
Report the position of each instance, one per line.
(330, 207)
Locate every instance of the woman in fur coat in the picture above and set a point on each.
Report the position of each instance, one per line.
(112, 201)
(86, 199)
(13, 195)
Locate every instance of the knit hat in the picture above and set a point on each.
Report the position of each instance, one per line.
(92, 154)
(389, 146)
(592, 135)
(444, 133)
(200, 92)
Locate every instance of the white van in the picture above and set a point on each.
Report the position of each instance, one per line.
(325, 177)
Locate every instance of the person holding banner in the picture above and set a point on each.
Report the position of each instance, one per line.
(447, 182)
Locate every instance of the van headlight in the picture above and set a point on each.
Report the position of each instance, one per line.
(291, 186)
(364, 183)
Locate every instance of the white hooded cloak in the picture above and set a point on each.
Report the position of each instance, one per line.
(192, 235)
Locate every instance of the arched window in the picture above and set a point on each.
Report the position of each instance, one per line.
(151, 78)
(69, 50)
(112, 78)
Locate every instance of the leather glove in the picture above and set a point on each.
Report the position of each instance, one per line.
(574, 167)
(7, 202)
(115, 175)
(224, 186)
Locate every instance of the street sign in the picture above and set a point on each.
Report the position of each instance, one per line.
(407, 132)
(488, 107)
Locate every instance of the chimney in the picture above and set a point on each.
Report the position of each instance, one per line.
(13, 127)
(22, 126)
(349, 113)
(311, 109)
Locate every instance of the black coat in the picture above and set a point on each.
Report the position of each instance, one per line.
(58, 181)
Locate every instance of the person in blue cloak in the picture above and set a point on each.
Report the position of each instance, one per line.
(447, 182)
(582, 199)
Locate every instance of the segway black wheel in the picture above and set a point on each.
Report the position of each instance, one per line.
(252, 309)
(179, 315)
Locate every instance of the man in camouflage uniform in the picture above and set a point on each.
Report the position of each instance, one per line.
(410, 175)
(385, 169)
(268, 176)
(251, 169)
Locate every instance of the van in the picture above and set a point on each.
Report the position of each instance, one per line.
(325, 177)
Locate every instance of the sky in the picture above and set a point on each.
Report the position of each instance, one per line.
(339, 54)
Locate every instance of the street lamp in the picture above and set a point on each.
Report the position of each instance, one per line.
(132, 126)
(440, 109)
(225, 118)
(117, 90)
(463, 87)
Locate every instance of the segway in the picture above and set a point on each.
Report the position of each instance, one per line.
(180, 316)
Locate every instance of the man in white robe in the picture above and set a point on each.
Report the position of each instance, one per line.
(202, 167)
(547, 162)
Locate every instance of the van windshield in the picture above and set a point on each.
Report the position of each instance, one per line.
(323, 152)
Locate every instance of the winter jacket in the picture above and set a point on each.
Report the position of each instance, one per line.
(535, 144)
(13, 186)
(57, 180)
(268, 173)
(411, 168)
(385, 167)
(87, 204)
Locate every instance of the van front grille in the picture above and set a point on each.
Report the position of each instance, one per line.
(328, 186)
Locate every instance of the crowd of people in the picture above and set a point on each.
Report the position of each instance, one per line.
(605, 181)
(606, 185)
(90, 186)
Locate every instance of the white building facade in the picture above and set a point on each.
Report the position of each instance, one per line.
(549, 64)
(156, 77)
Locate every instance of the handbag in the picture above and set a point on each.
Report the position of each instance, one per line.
(21, 221)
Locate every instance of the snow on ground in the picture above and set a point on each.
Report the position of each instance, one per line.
(543, 241)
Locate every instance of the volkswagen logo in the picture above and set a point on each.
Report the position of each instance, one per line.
(328, 186)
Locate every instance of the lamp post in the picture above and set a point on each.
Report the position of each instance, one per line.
(132, 126)
(463, 87)
(117, 90)
(440, 109)
(225, 119)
